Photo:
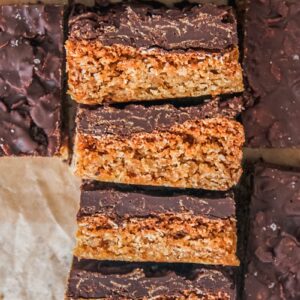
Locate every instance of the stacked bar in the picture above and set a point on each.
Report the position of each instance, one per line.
(274, 247)
(138, 225)
(137, 52)
(272, 68)
(31, 47)
(199, 146)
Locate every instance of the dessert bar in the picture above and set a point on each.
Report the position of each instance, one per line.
(272, 68)
(31, 47)
(133, 52)
(90, 279)
(274, 246)
(136, 224)
(196, 146)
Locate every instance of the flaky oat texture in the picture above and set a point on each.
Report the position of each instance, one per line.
(120, 73)
(202, 153)
(163, 238)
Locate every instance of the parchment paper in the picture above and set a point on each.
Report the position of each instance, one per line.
(38, 204)
(39, 200)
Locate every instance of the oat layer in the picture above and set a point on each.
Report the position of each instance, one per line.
(178, 237)
(203, 153)
(120, 73)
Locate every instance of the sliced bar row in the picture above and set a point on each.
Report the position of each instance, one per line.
(127, 234)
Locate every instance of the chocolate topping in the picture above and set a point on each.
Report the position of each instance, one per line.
(143, 26)
(30, 79)
(272, 67)
(118, 202)
(274, 240)
(132, 119)
(120, 280)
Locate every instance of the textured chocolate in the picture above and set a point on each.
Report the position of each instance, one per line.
(274, 239)
(132, 119)
(272, 68)
(121, 280)
(119, 202)
(143, 26)
(31, 47)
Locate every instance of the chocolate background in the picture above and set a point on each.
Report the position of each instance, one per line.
(31, 54)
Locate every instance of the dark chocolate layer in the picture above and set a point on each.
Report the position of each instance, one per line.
(274, 239)
(143, 26)
(131, 119)
(272, 67)
(118, 280)
(31, 47)
(117, 202)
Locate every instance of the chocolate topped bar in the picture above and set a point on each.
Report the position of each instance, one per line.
(274, 247)
(118, 202)
(132, 52)
(143, 26)
(189, 147)
(121, 222)
(272, 68)
(131, 119)
(90, 279)
(31, 48)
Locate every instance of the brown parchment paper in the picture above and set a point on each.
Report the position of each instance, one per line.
(38, 203)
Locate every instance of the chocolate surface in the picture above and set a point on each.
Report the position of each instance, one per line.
(119, 202)
(274, 239)
(272, 68)
(30, 79)
(115, 280)
(143, 26)
(132, 119)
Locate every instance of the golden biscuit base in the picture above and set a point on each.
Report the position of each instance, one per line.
(180, 237)
(203, 153)
(120, 73)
